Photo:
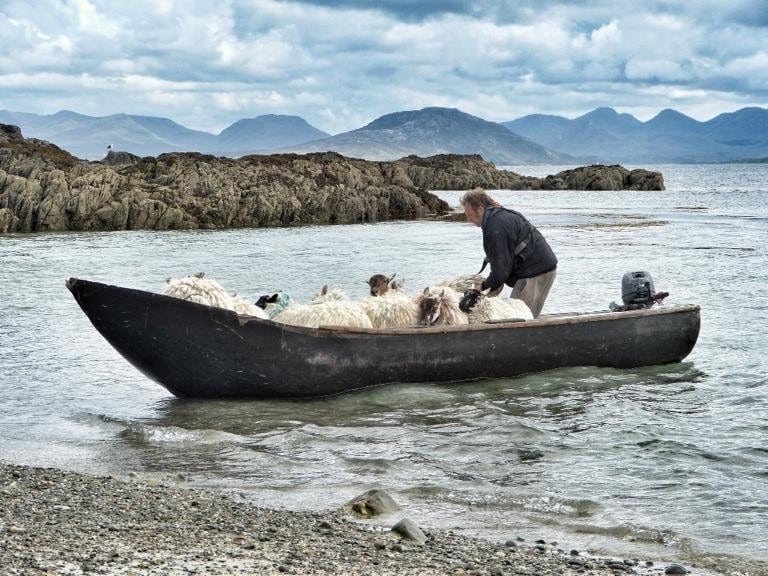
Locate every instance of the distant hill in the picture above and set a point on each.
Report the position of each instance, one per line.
(431, 131)
(88, 136)
(268, 132)
(749, 161)
(668, 137)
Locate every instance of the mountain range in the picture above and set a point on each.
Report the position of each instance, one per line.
(602, 135)
(88, 136)
(668, 137)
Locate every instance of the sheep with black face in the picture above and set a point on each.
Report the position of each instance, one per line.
(480, 307)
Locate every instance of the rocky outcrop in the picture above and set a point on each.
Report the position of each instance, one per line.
(45, 188)
(115, 158)
(462, 172)
(600, 177)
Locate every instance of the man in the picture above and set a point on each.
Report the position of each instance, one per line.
(517, 252)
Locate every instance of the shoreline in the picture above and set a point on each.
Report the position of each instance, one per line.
(59, 522)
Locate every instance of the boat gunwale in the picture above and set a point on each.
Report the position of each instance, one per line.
(560, 320)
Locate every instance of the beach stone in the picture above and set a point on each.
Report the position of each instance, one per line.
(409, 529)
(675, 569)
(510, 544)
(372, 503)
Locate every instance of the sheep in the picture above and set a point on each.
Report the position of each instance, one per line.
(336, 313)
(481, 308)
(198, 289)
(388, 306)
(328, 308)
(332, 295)
(392, 310)
(439, 306)
(202, 290)
(247, 308)
(463, 283)
(274, 303)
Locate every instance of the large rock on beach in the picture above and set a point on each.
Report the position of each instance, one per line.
(43, 187)
(409, 530)
(372, 503)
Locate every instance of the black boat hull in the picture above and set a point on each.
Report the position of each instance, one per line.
(202, 352)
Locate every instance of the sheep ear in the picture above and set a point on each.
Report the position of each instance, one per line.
(168, 280)
(392, 277)
(426, 291)
(324, 290)
(369, 282)
(272, 299)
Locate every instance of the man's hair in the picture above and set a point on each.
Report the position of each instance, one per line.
(478, 198)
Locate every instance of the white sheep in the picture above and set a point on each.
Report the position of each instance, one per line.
(463, 283)
(439, 306)
(483, 308)
(394, 309)
(328, 308)
(332, 295)
(206, 291)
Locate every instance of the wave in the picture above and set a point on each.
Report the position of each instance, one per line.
(141, 432)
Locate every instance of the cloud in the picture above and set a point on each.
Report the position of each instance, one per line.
(342, 63)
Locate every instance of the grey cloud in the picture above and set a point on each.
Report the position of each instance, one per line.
(341, 64)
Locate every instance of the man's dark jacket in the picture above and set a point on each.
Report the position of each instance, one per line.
(514, 248)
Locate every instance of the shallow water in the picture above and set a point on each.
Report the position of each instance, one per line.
(666, 461)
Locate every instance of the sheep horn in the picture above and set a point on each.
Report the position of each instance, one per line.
(324, 290)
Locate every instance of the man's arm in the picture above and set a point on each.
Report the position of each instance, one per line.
(501, 261)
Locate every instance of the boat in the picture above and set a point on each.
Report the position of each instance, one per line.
(198, 351)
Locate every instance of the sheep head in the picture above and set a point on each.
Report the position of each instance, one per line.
(470, 299)
(380, 284)
(267, 299)
(430, 308)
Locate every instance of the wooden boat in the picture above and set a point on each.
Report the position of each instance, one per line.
(199, 351)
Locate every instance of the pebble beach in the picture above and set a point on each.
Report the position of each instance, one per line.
(56, 522)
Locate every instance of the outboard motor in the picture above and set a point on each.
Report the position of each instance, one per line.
(638, 292)
(637, 289)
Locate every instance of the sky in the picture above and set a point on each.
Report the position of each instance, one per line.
(340, 64)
